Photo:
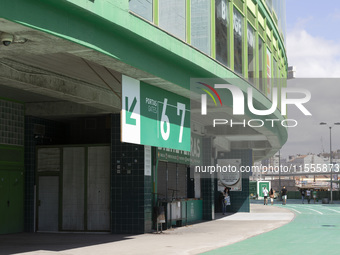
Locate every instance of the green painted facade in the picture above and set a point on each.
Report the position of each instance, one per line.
(11, 166)
(135, 40)
(11, 189)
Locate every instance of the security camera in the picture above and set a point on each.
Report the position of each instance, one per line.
(6, 38)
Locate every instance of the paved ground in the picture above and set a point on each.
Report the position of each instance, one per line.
(315, 230)
(192, 239)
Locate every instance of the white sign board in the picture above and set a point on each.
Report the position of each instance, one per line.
(147, 161)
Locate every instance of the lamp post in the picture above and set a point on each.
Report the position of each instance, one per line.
(280, 174)
(330, 155)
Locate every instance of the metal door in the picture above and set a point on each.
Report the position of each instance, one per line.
(73, 211)
(48, 203)
(4, 202)
(98, 188)
(16, 201)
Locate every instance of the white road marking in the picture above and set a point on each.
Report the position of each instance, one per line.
(295, 210)
(333, 210)
(314, 210)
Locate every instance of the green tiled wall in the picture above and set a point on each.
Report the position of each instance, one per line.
(240, 199)
(11, 123)
(130, 188)
(207, 184)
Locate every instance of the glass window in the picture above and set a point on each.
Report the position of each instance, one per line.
(261, 47)
(279, 89)
(269, 4)
(142, 7)
(275, 77)
(221, 27)
(200, 25)
(251, 53)
(279, 7)
(269, 73)
(276, 7)
(238, 40)
(172, 17)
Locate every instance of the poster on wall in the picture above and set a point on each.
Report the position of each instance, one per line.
(194, 157)
(231, 177)
(153, 116)
(269, 74)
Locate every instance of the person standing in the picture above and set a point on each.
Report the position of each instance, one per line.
(226, 200)
(303, 195)
(284, 195)
(271, 195)
(308, 195)
(265, 195)
(314, 195)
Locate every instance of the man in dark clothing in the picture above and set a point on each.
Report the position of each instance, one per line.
(302, 195)
(284, 195)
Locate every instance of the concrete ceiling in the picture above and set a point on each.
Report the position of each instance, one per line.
(46, 72)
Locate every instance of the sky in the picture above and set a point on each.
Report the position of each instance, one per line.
(313, 47)
(313, 38)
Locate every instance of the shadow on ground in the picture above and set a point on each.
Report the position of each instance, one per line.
(30, 242)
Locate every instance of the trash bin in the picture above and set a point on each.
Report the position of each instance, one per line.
(325, 200)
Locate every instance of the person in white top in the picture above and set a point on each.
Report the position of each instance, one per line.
(265, 195)
(308, 195)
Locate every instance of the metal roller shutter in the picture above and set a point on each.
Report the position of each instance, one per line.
(172, 181)
(162, 180)
(182, 181)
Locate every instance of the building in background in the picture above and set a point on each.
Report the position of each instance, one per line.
(300, 172)
(95, 127)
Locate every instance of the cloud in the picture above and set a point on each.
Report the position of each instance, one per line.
(324, 106)
(303, 22)
(335, 15)
(315, 55)
(312, 56)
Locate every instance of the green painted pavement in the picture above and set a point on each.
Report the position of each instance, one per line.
(315, 230)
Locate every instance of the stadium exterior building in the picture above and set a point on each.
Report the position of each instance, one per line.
(90, 89)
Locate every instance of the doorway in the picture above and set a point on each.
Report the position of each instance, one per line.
(73, 188)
